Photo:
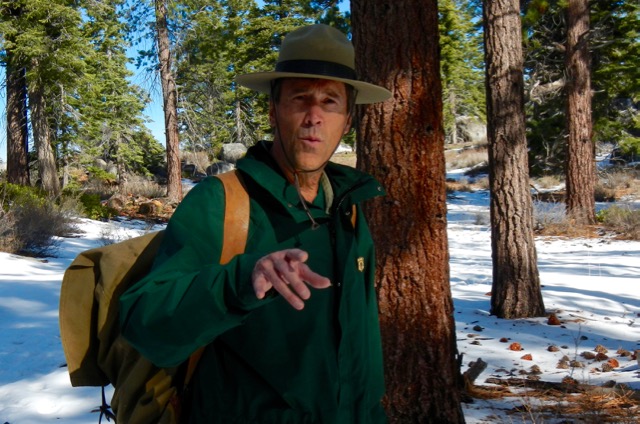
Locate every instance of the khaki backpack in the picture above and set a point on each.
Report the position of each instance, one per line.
(96, 352)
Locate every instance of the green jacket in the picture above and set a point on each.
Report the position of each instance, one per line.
(267, 362)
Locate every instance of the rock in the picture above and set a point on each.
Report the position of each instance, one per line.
(219, 168)
(553, 320)
(471, 130)
(515, 346)
(117, 202)
(232, 152)
(613, 362)
(150, 208)
(100, 163)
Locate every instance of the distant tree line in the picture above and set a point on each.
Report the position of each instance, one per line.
(70, 98)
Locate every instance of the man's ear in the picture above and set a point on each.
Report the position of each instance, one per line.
(347, 126)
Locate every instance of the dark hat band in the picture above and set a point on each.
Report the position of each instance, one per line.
(316, 67)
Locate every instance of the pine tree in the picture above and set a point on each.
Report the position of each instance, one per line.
(52, 49)
(615, 77)
(462, 67)
(615, 62)
(401, 143)
(580, 170)
(16, 107)
(110, 107)
(206, 64)
(516, 291)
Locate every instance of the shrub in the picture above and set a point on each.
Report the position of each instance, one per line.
(93, 208)
(624, 221)
(144, 187)
(546, 214)
(30, 221)
(101, 175)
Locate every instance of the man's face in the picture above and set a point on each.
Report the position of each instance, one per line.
(310, 118)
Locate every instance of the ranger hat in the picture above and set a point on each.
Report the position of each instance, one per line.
(316, 51)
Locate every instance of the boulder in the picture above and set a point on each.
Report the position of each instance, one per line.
(100, 163)
(220, 167)
(471, 130)
(232, 152)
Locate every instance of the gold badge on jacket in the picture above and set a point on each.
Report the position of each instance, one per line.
(360, 264)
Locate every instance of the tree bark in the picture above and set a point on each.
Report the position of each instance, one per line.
(401, 143)
(580, 169)
(47, 169)
(170, 104)
(516, 283)
(17, 131)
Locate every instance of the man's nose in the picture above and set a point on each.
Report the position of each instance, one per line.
(314, 113)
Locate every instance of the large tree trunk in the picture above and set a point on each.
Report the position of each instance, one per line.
(516, 282)
(170, 103)
(401, 143)
(47, 170)
(580, 169)
(17, 131)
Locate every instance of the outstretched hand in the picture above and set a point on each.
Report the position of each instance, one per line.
(286, 272)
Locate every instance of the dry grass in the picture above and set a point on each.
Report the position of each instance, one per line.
(348, 159)
(468, 185)
(624, 221)
(594, 406)
(617, 184)
(466, 158)
(548, 182)
(138, 186)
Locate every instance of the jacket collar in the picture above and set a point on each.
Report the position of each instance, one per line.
(348, 185)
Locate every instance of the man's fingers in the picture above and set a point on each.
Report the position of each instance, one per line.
(260, 285)
(278, 274)
(313, 279)
(296, 255)
(286, 272)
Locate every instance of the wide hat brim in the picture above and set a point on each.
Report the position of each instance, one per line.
(366, 93)
(320, 52)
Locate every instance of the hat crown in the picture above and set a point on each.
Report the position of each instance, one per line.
(316, 51)
(319, 43)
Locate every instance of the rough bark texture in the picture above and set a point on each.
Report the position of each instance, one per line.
(580, 169)
(17, 132)
(170, 104)
(47, 169)
(516, 282)
(401, 143)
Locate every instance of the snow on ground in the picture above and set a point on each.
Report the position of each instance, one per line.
(592, 284)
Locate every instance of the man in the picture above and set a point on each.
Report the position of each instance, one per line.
(290, 326)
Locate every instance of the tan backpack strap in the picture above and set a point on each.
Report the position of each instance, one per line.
(236, 228)
(354, 210)
(236, 216)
